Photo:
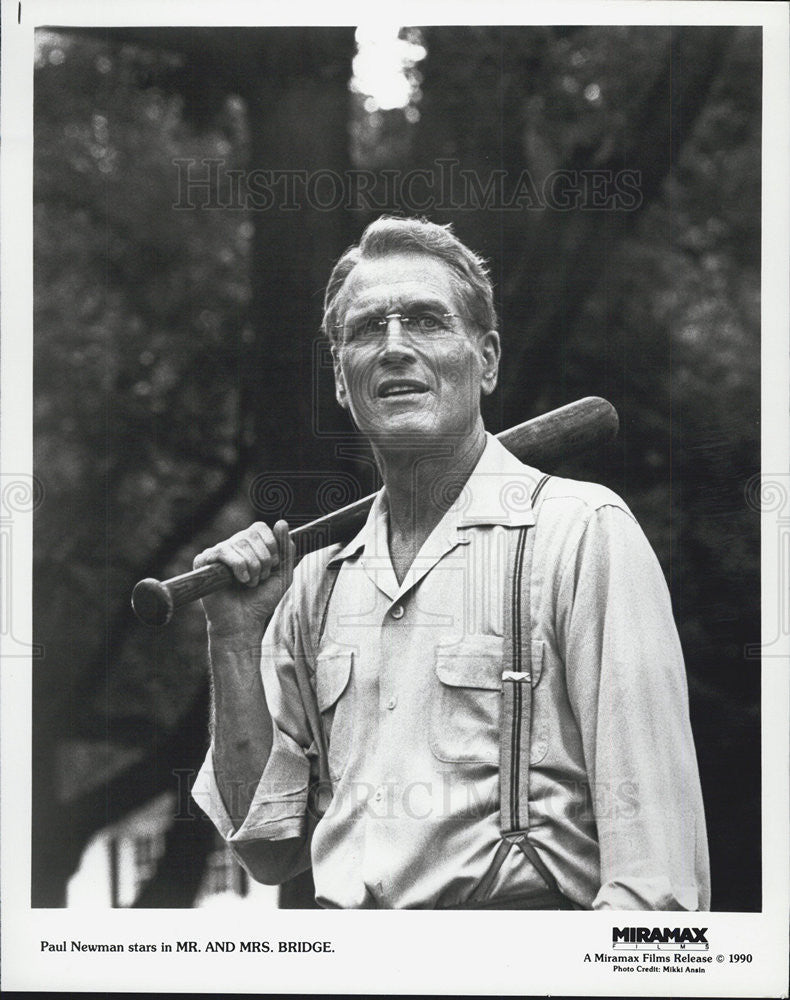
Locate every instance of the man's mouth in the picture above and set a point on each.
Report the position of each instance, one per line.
(401, 387)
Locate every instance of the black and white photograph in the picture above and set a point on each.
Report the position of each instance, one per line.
(395, 498)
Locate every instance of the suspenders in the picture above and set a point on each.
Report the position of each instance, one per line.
(516, 722)
(516, 719)
(515, 728)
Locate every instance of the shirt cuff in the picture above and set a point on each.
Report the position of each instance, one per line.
(646, 894)
(279, 805)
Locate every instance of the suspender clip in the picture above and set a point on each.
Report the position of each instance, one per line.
(516, 675)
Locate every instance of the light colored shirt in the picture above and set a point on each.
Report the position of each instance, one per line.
(385, 705)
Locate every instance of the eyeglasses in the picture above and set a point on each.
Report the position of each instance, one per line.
(370, 329)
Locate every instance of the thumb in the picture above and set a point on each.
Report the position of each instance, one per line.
(286, 550)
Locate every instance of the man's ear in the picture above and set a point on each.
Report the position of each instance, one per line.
(341, 394)
(490, 352)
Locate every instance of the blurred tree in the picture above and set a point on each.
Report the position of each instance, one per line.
(134, 434)
(156, 329)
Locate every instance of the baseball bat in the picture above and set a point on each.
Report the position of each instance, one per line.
(542, 441)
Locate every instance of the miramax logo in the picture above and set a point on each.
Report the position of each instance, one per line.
(677, 937)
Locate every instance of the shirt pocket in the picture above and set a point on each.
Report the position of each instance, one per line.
(466, 701)
(334, 695)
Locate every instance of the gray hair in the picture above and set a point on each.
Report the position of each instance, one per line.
(391, 235)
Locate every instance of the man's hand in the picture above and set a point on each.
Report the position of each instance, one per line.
(262, 560)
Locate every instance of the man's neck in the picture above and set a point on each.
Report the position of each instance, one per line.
(422, 484)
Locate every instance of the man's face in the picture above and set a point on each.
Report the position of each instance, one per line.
(423, 383)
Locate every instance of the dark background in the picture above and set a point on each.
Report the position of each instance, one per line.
(177, 354)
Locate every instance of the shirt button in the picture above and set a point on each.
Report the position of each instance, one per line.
(392, 702)
(397, 611)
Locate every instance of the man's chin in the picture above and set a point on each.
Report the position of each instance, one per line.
(411, 428)
(400, 430)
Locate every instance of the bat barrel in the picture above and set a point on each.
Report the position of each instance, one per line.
(558, 434)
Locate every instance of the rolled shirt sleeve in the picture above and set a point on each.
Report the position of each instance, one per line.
(272, 842)
(627, 688)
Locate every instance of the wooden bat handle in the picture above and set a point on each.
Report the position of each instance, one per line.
(543, 441)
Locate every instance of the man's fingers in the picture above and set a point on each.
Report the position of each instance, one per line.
(202, 559)
(263, 542)
(222, 554)
(257, 560)
(252, 554)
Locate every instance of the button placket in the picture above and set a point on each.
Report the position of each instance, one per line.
(387, 675)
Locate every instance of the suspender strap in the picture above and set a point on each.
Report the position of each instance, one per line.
(532, 855)
(514, 735)
(516, 727)
(516, 723)
(484, 886)
(516, 719)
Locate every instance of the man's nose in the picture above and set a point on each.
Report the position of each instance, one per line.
(396, 339)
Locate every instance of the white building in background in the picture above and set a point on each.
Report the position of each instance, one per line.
(120, 859)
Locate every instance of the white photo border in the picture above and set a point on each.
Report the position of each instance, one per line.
(397, 952)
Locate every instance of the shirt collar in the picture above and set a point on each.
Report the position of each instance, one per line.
(497, 492)
(367, 533)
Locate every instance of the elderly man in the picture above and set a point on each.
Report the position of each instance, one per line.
(479, 701)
